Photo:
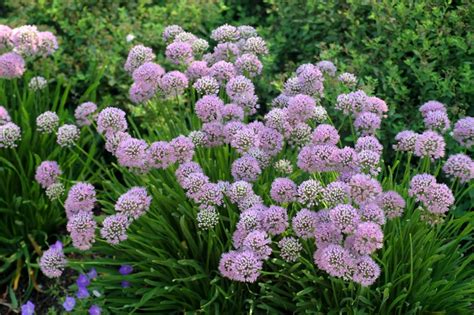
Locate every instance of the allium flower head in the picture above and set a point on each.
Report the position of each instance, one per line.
(239, 86)
(345, 218)
(82, 227)
(375, 105)
(366, 271)
(246, 168)
(47, 173)
(48, 44)
(226, 264)
(207, 218)
(326, 234)
(270, 141)
(26, 40)
(290, 248)
(310, 193)
(281, 101)
(369, 162)
(137, 56)
(367, 238)
(182, 148)
(311, 80)
(174, 83)
(328, 67)
(5, 36)
(251, 219)
(244, 139)
(159, 155)
(222, 71)
(248, 65)
(347, 159)
(84, 113)
(430, 144)
(206, 85)
(258, 242)
(246, 266)
(197, 69)
(81, 197)
(364, 188)
(225, 51)
(275, 220)
(246, 31)
(336, 193)
(232, 112)
(368, 143)
(198, 138)
(262, 157)
(4, 116)
(186, 169)
(351, 103)
(406, 141)
(209, 108)
(185, 37)
(437, 120)
(170, 32)
(194, 183)
(55, 191)
(9, 135)
(53, 261)
(225, 33)
(179, 53)
(420, 184)
(239, 190)
(283, 167)
(134, 203)
(367, 123)
(304, 223)
(372, 212)
(318, 158)
(149, 72)
(67, 135)
(283, 190)
(292, 87)
(463, 131)
(325, 134)
(199, 46)
(348, 79)
(300, 135)
(277, 119)
(131, 152)
(111, 119)
(301, 108)
(37, 83)
(12, 66)
(392, 204)
(459, 166)
(113, 139)
(432, 106)
(255, 45)
(114, 228)
(334, 259)
(438, 198)
(320, 114)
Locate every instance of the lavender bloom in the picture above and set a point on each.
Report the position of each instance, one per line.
(292, 87)
(53, 261)
(310, 80)
(113, 139)
(251, 219)
(290, 248)
(207, 85)
(28, 308)
(232, 112)
(134, 203)
(48, 44)
(248, 65)
(37, 83)
(366, 271)
(67, 135)
(197, 69)
(149, 73)
(26, 40)
(310, 193)
(199, 46)
(301, 108)
(336, 193)
(328, 67)
(182, 148)
(186, 169)
(84, 113)
(283, 167)
(111, 120)
(81, 197)
(5, 37)
(375, 105)
(209, 108)
(95, 310)
(82, 293)
(255, 45)
(69, 303)
(12, 66)
(270, 141)
(207, 218)
(281, 101)
(392, 204)
(367, 238)
(459, 166)
(170, 32)
(364, 189)
(348, 79)
(226, 264)
(83, 281)
(114, 228)
(225, 33)
(420, 184)
(82, 228)
(327, 234)
(125, 270)
(246, 168)
(334, 259)
(258, 242)
(367, 123)
(137, 56)
(131, 152)
(304, 223)
(244, 140)
(463, 131)
(238, 87)
(438, 198)
(246, 267)
(47, 122)
(173, 83)
(47, 173)
(55, 191)
(369, 162)
(430, 144)
(351, 103)
(159, 155)
(372, 212)
(278, 119)
(406, 141)
(222, 71)
(345, 218)
(275, 220)
(437, 120)
(325, 134)
(431, 106)
(185, 37)
(347, 158)
(179, 53)
(300, 135)
(214, 132)
(283, 190)
(368, 143)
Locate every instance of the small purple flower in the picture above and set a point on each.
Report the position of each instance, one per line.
(125, 284)
(69, 303)
(95, 310)
(28, 308)
(82, 293)
(92, 274)
(125, 270)
(83, 280)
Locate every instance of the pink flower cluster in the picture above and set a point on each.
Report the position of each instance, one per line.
(10, 133)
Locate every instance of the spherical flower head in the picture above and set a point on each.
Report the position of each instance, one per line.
(406, 141)
(5, 37)
(353, 102)
(290, 248)
(179, 53)
(248, 65)
(209, 196)
(37, 83)
(430, 144)
(207, 218)
(327, 234)
(81, 197)
(239, 191)
(336, 193)
(12, 66)
(170, 32)
(369, 162)
(197, 69)
(226, 264)
(372, 212)
(281, 101)
(207, 85)
(47, 173)
(301, 108)
(48, 44)
(198, 138)
(311, 80)
(209, 108)
(304, 223)
(432, 106)
(262, 157)
(222, 71)
(186, 169)
(246, 266)
(134, 203)
(186, 37)
(258, 242)
(159, 155)
(463, 131)
(25, 40)
(225, 51)
(67, 135)
(10, 133)
(275, 220)
(345, 218)
(82, 227)
(367, 123)
(194, 183)
(375, 105)
(53, 261)
(113, 139)
(270, 141)
(437, 120)
(244, 140)
(300, 135)
(4, 116)
(84, 113)
(364, 188)
(149, 72)
(251, 219)
(182, 148)
(348, 79)
(392, 204)
(111, 119)
(278, 119)
(420, 184)
(174, 83)
(137, 56)
(199, 46)
(232, 112)
(283, 167)
(327, 67)
(368, 143)
(310, 193)
(318, 158)
(114, 228)
(367, 238)
(225, 33)
(239, 86)
(438, 199)
(283, 190)
(252, 201)
(230, 129)
(131, 152)
(292, 87)
(347, 159)
(255, 45)
(334, 259)
(366, 271)
(246, 168)
(55, 191)
(320, 114)
(459, 166)
(325, 134)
